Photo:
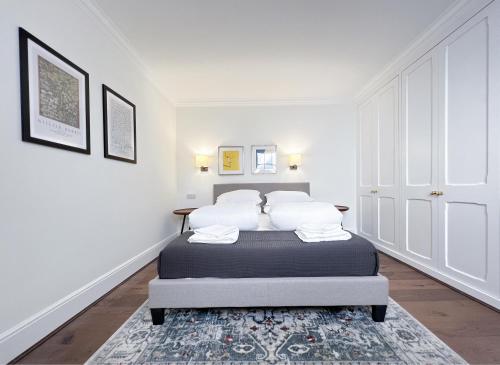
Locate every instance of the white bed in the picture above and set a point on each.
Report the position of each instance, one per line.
(207, 292)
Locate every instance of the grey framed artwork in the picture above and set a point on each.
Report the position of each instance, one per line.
(264, 159)
(54, 97)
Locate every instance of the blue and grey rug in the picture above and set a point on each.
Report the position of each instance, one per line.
(305, 336)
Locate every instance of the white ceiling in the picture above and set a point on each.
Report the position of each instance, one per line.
(268, 50)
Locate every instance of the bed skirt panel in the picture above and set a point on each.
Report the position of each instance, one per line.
(268, 292)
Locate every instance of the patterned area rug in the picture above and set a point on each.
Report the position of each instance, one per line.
(251, 336)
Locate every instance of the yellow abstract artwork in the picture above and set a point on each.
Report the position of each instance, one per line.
(231, 160)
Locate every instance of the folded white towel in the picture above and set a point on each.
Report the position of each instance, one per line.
(319, 228)
(314, 232)
(312, 235)
(342, 236)
(217, 234)
(217, 230)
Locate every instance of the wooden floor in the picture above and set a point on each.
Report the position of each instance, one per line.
(471, 329)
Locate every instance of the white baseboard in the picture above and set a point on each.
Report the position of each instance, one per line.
(25, 334)
(463, 287)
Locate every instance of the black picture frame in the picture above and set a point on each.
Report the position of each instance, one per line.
(24, 38)
(107, 154)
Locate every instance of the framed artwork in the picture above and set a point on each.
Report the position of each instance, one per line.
(120, 141)
(54, 97)
(264, 159)
(231, 160)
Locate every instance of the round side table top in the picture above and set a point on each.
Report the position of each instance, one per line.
(342, 208)
(184, 211)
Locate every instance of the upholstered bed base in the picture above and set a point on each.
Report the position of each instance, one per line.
(269, 292)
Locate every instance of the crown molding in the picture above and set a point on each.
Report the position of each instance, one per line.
(121, 40)
(453, 17)
(187, 103)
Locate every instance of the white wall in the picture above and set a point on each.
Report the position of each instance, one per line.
(323, 134)
(67, 218)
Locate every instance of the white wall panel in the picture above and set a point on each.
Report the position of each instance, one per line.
(78, 220)
(323, 134)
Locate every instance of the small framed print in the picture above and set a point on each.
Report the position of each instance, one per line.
(54, 97)
(120, 141)
(231, 160)
(264, 159)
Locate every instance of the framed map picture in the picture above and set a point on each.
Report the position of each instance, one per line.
(231, 160)
(54, 97)
(119, 127)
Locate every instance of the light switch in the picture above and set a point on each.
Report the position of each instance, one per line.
(191, 196)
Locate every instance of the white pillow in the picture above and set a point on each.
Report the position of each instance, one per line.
(245, 216)
(240, 196)
(278, 197)
(289, 216)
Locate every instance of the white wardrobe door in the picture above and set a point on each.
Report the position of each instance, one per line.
(419, 130)
(387, 174)
(367, 129)
(468, 208)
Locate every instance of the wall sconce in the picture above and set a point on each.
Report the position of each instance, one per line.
(294, 161)
(201, 161)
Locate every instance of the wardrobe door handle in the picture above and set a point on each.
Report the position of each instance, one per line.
(374, 191)
(434, 193)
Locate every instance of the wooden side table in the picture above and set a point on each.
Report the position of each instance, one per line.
(342, 208)
(184, 212)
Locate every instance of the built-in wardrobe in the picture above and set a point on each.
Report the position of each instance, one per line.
(429, 159)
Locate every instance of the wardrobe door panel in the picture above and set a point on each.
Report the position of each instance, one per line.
(366, 141)
(387, 220)
(419, 124)
(466, 104)
(366, 215)
(387, 130)
(387, 176)
(419, 235)
(437, 203)
(468, 153)
(367, 168)
(466, 237)
(420, 173)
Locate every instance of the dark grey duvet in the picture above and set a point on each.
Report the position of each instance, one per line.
(262, 254)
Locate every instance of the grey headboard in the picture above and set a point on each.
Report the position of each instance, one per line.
(264, 188)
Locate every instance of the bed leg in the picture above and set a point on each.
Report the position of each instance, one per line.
(158, 315)
(378, 312)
